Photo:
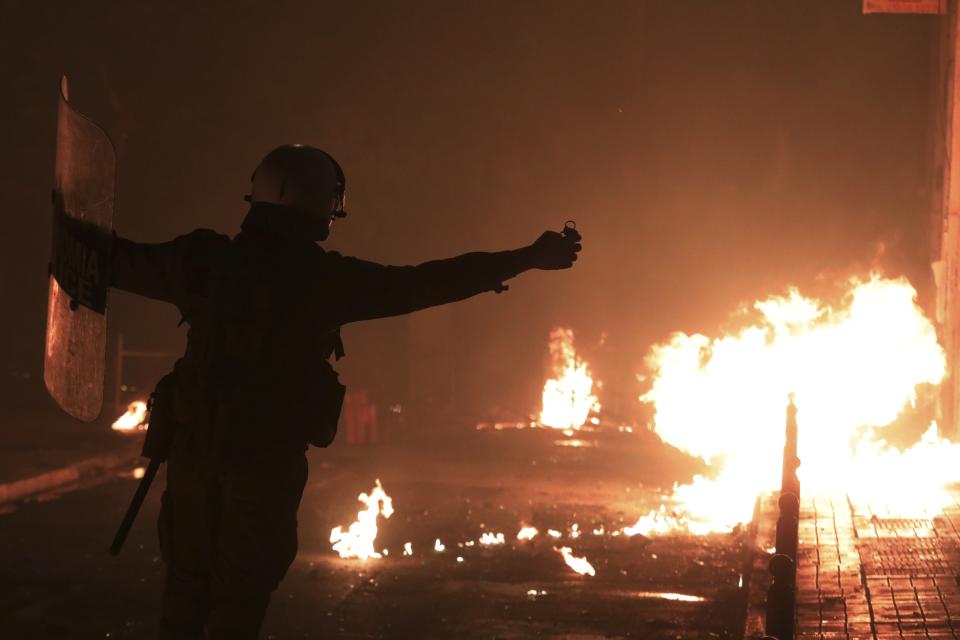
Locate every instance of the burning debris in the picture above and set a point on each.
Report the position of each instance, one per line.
(357, 541)
(134, 419)
(854, 370)
(568, 398)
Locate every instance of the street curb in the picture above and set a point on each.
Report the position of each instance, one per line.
(82, 471)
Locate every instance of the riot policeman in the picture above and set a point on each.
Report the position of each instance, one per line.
(255, 384)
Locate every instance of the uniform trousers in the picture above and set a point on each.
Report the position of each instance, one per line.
(227, 536)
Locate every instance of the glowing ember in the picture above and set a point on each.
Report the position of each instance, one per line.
(580, 565)
(567, 397)
(490, 539)
(527, 533)
(139, 472)
(439, 546)
(133, 419)
(575, 531)
(357, 541)
(553, 533)
(407, 549)
(854, 369)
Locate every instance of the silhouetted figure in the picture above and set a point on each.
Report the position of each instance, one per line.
(255, 384)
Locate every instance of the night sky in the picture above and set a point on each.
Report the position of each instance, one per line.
(711, 153)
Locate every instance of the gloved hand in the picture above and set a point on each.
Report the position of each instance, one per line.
(554, 250)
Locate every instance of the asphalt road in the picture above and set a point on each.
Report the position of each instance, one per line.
(59, 582)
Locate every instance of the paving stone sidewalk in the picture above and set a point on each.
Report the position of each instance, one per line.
(866, 575)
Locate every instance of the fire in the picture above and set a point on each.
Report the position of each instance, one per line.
(527, 532)
(568, 397)
(133, 419)
(674, 597)
(357, 541)
(854, 369)
(490, 539)
(580, 565)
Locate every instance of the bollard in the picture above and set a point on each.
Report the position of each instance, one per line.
(781, 598)
(782, 595)
(789, 483)
(788, 526)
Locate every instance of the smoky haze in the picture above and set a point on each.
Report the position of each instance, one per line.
(710, 152)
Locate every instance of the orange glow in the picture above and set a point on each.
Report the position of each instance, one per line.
(568, 398)
(854, 369)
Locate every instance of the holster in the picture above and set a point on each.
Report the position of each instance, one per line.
(159, 438)
(325, 406)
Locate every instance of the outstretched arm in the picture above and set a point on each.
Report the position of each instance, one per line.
(161, 270)
(365, 290)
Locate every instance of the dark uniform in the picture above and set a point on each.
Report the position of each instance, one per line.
(254, 387)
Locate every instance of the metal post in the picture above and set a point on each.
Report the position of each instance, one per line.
(781, 598)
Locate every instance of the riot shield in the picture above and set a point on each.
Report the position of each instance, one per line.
(83, 194)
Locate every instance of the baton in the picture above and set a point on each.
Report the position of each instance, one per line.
(135, 503)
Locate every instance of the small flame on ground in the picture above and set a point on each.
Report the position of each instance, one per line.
(553, 533)
(439, 546)
(133, 419)
(407, 548)
(357, 541)
(674, 597)
(568, 397)
(527, 532)
(490, 539)
(576, 443)
(580, 565)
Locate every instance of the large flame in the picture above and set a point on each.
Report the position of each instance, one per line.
(568, 397)
(357, 541)
(854, 370)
